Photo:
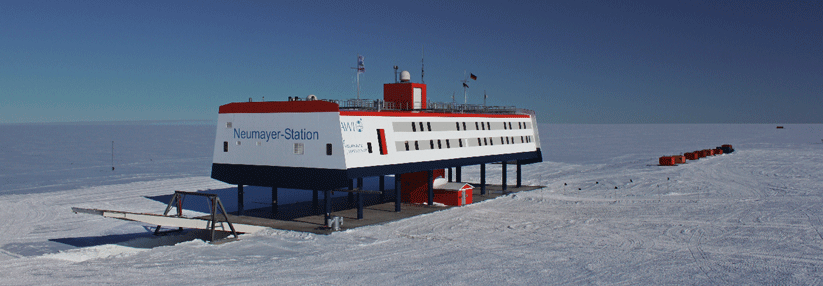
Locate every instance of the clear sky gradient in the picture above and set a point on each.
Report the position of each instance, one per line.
(570, 61)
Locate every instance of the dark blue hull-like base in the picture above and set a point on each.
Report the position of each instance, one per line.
(327, 179)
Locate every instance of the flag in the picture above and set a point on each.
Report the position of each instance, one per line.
(361, 68)
(474, 77)
(465, 85)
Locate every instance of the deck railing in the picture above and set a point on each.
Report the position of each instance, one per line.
(439, 107)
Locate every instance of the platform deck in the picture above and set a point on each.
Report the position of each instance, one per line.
(306, 217)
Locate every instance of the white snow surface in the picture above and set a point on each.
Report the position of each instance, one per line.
(751, 217)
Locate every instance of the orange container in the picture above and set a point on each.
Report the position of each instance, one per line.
(711, 152)
(679, 159)
(692, 156)
(413, 186)
(667, 161)
(718, 151)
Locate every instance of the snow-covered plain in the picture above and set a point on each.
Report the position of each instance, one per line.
(751, 217)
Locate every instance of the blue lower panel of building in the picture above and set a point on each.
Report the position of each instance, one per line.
(283, 177)
(327, 179)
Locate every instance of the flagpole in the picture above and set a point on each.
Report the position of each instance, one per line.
(465, 97)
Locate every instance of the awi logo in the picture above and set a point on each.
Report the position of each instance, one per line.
(352, 126)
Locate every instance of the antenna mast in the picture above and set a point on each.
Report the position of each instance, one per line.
(361, 68)
(422, 64)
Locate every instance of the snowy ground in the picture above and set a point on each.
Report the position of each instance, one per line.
(751, 217)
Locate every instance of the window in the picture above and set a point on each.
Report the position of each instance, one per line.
(368, 145)
(407, 145)
(225, 146)
(431, 144)
(479, 143)
(238, 143)
(460, 141)
(485, 142)
(457, 125)
(491, 141)
(228, 124)
(298, 148)
(416, 146)
(483, 125)
(488, 126)
(421, 127)
(507, 140)
(504, 125)
(464, 125)
(448, 146)
(519, 125)
(429, 125)
(328, 149)
(439, 146)
(476, 126)
(414, 127)
(521, 140)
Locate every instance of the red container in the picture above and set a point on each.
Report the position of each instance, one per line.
(692, 156)
(679, 159)
(453, 194)
(667, 161)
(710, 152)
(413, 186)
(718, 151)
(701, 153)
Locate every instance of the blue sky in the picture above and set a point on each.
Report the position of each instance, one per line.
(570, 61)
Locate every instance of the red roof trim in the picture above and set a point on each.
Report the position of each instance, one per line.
(279, 107)
(427, 114)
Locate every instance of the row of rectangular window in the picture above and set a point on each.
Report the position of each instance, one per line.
(299, 149)
(447, 143)
(421, 126)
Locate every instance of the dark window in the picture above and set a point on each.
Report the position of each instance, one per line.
(439, 146)
(507, 140)
(457, 124)
(368, 144)
(447, 144)
(491, 141)
(476, 126)
(421, 127)
(520, 125)
(478, 142)
(225, 146)
(431, 144)
(464, 125)
(504, 125)
(483, 126)
(485, 142)
(416, 146)
(521, 140)
(407, 145)
(429, 124)
(328, 149)
(414, 127)
(501, 139)
(460, 141)
(488, 126)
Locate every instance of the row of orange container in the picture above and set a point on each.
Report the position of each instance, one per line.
(680, 159)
